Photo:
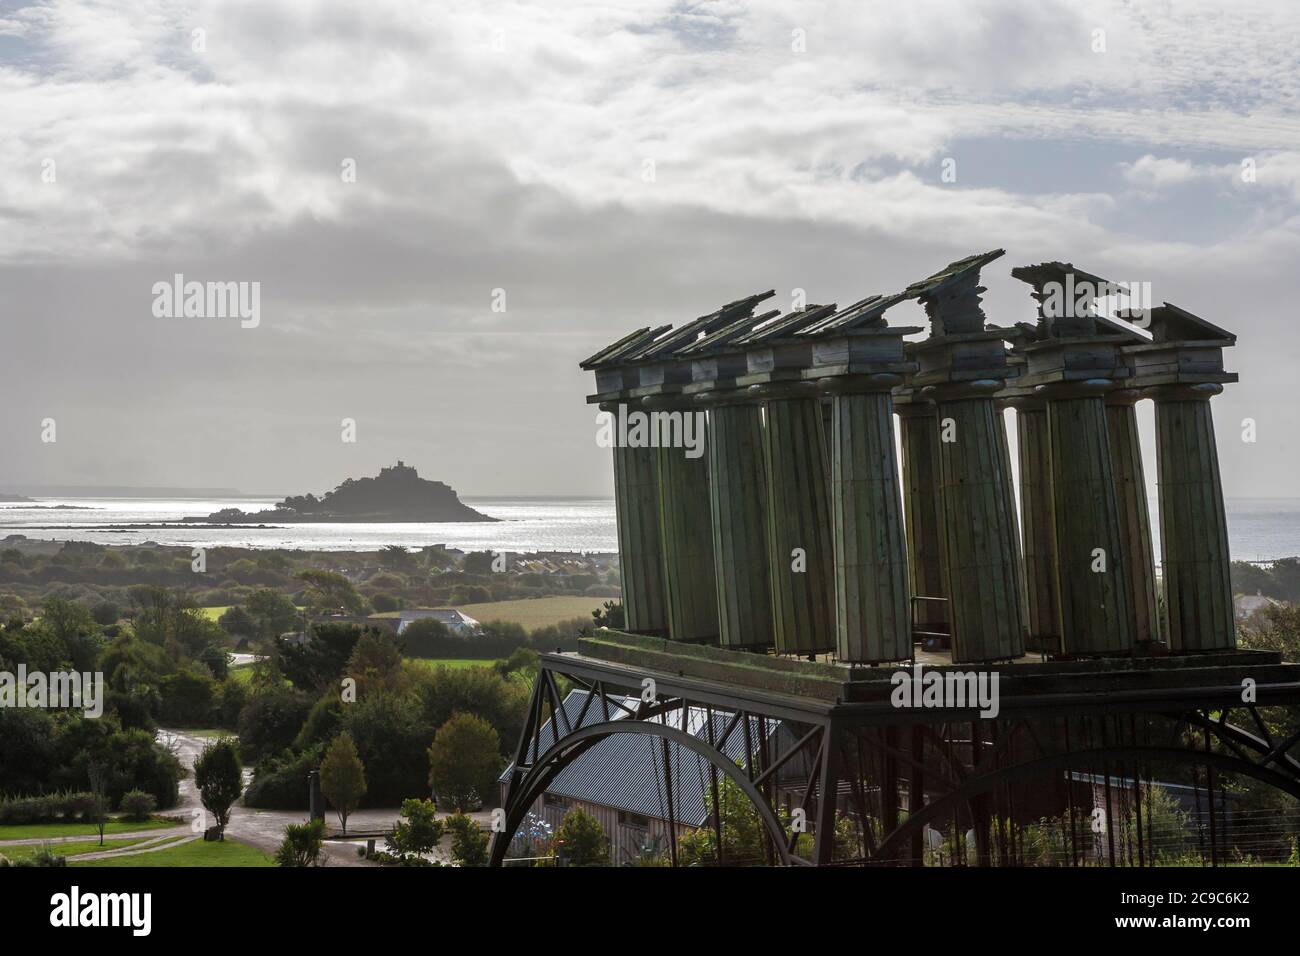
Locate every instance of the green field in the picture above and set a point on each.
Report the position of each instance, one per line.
(432, 662)
(50, 831)
(193, 853)
(535, 612)
(214, 613)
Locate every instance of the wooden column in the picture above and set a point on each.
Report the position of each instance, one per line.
(1134, 514)
(979, 529)
(1038, 526)
(873, 619)
(738, 495)
(798, 517)
(640, 553)
(1193, 526)
(685, 525)
(919, 436)
(1092, 573)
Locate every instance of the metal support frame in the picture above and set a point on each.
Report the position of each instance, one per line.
(960, 769)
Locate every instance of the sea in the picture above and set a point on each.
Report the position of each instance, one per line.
(1259, 529)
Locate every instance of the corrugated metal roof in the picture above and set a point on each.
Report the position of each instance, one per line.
(626, 771)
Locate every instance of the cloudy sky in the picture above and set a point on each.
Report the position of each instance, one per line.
(606, 164)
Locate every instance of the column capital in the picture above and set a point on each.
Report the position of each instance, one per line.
(981, 388)
(859, 384)
(1079, 388)
(782, 391)
(1200, 392)
(1124, 396)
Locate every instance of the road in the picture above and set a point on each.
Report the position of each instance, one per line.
(264, 829)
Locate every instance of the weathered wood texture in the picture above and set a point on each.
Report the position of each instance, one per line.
(1134, 518)
(919, 435)
(1193, 528)
(686, 528)
(1095, 616)
(872, 616)
(1039, 531)
(640, 555)
(798, 517)
(738, 493)
(979, 534)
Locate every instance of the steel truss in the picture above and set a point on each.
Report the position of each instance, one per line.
(957, 769)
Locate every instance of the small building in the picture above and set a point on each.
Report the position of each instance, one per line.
(453, 620)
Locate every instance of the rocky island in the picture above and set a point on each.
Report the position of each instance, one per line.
(397, 494)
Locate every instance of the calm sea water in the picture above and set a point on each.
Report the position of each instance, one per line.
(1260, 529)
(526, 524)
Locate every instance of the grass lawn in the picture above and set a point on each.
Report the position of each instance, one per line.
(27, 850)
(535, 612)
(47, 831)
(432, 662)
(241, 675)
(194, 853)
(214, 613)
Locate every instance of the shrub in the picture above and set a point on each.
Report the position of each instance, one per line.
(302, 844)
(383, 602)
(138, 805)
(581, 840)
(418, 831)
(468, 841)
(280, 781)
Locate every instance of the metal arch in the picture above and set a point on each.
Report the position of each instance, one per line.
(549, 765)
(977, 784)
(1232, 734)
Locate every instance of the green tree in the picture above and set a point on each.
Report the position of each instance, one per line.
(376, 663)
(342, 777)
(272, 612)
(98, 774)
(321, 661)
(218, 773)
(329, 591)
(580, 840)
(464, 761)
